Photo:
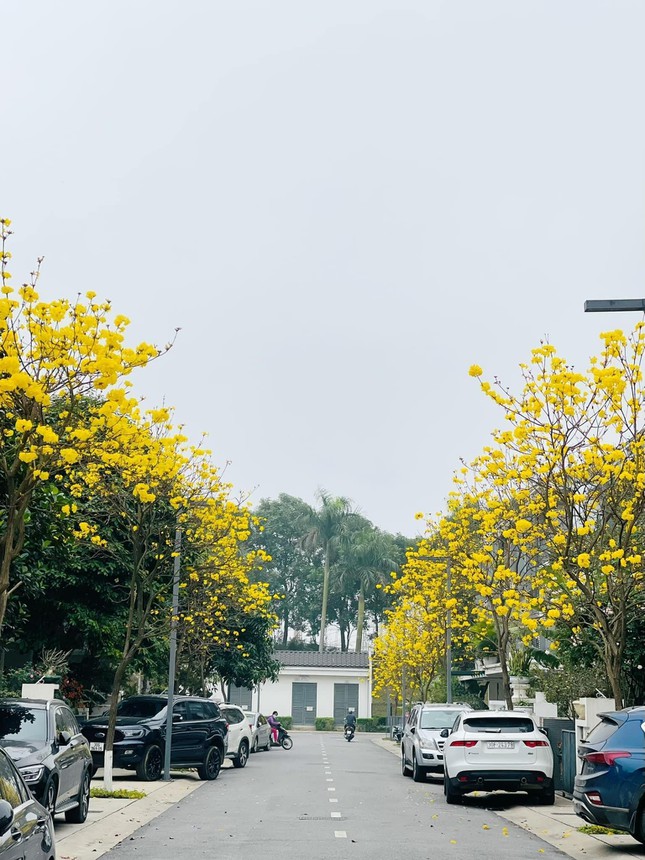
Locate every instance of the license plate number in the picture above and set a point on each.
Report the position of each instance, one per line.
(500, 745)
(95, 746)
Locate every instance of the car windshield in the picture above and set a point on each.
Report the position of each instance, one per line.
(27, 724)
(437, 719)
(521, 725)
(140, 708)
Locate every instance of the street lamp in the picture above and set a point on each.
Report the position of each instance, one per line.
(444, 559)
(172, 663)
(614, 305)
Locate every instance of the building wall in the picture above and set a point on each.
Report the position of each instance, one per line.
(277, 696)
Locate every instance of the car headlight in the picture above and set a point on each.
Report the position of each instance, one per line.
(137, 732)
(32, 773)
(428, 743)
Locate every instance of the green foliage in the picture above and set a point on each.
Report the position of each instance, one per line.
(570, 682)
(287, 722)
(470, 694)
(121, 793)
(591, 829)
(325, 724)
(368, 724)
(13, 679)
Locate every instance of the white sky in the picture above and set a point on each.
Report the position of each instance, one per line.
(343, 203)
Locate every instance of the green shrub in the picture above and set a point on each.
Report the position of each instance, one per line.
(287, 722)
(121, 793)
(325, 724)
(367, 724)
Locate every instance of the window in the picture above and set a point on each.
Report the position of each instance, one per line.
(233, 715)
(141, 708)
(197, 711)
(602, 731)
(437, 719)
(212, 710)
(508, 725)
(261, 720)
(11, 786)
(67, 720)
(29, 724)
(180, 708)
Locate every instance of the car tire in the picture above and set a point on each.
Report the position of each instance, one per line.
(50, 795)
(255, 746)
(242, 756)
(418, 773)
(547, 797)
(639, 823)
(150, 768)
(212, 765)
(79, 813)
(405, 770)
(452, 795)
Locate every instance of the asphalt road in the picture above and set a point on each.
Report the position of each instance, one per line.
(330, 799)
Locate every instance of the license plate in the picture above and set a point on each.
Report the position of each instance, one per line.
(95, 746)
(500, 745)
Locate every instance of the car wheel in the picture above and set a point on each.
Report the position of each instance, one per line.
(151, 765)
(242, 756)
(255, 747)
(418, 773)
(547, 797)
(452, 795)
(639, 823)
(212, 764)
(79, 813)
(405, 770)
(49, 797)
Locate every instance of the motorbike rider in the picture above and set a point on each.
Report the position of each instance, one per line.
(275, 724)
(350, 720)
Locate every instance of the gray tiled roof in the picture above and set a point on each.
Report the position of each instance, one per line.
(326, 660)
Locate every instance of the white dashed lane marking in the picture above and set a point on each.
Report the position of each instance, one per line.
(340, 834)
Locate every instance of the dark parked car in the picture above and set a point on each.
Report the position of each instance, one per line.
(26, 829)
(610, 790)
(198, 736)
(53, 757)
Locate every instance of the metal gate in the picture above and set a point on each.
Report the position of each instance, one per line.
(568, 761)
(345, 697)
(303, 704)
(555, 728)
(240, 696)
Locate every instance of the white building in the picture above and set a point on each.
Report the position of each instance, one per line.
(313, 684)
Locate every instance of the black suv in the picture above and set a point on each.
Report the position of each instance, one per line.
(45, 742)
(198, 736)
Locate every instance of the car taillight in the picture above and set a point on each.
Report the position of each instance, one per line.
(463, 743)
(606, 758)
(533, 744)
(251, 726)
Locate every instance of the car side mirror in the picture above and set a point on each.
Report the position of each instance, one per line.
(444, 733)
(6, 816)
(64, 738)
(177, 718)
(412, 730)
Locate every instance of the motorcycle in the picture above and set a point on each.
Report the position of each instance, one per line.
(284, 739)
(397, 733)
(349, 733)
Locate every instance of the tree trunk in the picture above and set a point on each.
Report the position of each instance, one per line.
(285, 629)
(343, 637)
(502, 632)
(109, 740)
(325, 599)
(360, 621)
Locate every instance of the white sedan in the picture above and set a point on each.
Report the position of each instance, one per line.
(491, 750)
(260, 729)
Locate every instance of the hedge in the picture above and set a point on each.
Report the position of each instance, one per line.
(325, 724)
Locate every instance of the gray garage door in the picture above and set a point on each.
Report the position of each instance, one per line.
(345, 697)
(303, 704)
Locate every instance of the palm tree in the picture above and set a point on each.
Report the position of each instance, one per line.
(371, 557)
(326, 527)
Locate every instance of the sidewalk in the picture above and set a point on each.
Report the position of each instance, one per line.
(558, 825)
(110, 820)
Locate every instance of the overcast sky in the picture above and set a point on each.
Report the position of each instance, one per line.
(343, 203)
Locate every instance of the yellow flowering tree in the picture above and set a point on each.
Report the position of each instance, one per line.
(571, 466)
(53, 356)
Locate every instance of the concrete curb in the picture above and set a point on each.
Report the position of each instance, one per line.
(557, 825)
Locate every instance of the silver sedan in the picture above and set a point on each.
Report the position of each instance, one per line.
(260, 729)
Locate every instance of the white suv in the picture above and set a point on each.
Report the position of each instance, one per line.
(422, 744)
(490, 750)
(239, 734)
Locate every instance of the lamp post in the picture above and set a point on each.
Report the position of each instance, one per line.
(172, 663)
(444, 559)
